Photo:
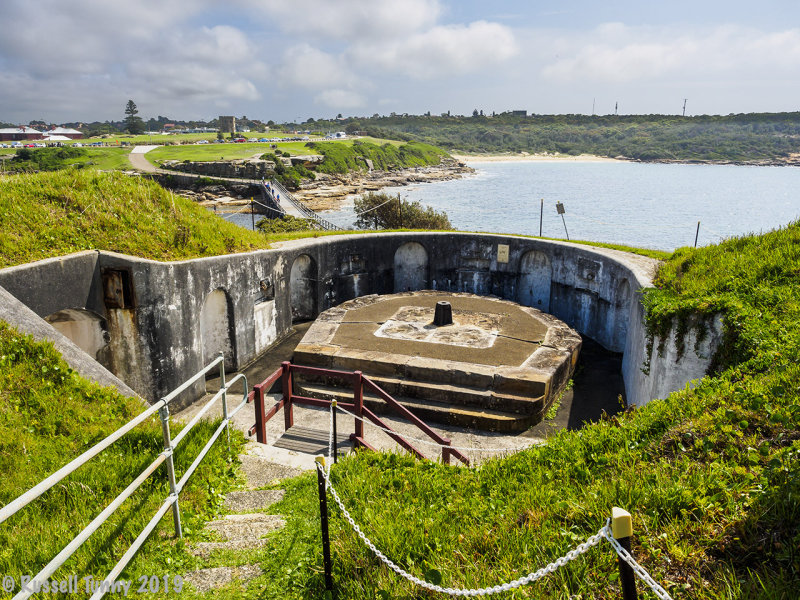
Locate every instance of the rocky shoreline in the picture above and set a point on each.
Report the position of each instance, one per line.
(326, 192)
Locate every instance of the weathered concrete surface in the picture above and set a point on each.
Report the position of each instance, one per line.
(204, 580)
(496, 356)
(679, 363)
(156, 342)
(25, 320)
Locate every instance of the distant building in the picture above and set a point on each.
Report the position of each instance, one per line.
(67, 132)
(227, 124)
(519, 113)
(20, 133)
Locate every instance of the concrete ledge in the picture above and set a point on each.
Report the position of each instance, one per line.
(25, 320)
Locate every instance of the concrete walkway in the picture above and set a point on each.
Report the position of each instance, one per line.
(137, 159)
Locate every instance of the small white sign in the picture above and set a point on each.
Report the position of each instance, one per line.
(502, 253)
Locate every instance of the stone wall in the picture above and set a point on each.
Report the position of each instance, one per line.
(166, 320)
(237, 169)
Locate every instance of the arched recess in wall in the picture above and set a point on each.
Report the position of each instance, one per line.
(622, 315)
(410, 267)
(535, 275)
(303, 288)
(86, 329)
(216, 328)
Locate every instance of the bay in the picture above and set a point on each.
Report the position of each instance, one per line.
(648, 205)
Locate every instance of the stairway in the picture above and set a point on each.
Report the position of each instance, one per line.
(244, 527)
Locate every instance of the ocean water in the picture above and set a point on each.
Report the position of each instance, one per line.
(638, 204)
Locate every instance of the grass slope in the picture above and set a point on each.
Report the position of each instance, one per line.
(48, 416)
(51, 214)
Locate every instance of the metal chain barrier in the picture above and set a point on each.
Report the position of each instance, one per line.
(437, 444)
(530, 578)
(604, 532)
(659, 591)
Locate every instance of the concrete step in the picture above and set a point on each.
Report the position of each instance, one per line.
(459, 374)
(432, 411)
(252, 500)
(261, 472)
(239, 532)
(204, 580)
(458, 396)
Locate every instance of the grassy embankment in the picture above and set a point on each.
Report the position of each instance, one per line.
(51, 214)
(48, 416)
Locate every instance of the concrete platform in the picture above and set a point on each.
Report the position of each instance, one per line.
(497, 367)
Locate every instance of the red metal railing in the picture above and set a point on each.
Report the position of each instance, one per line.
(359, 382)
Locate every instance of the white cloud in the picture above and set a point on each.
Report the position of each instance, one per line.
(310, 68)
(441, 51)
(616, 53)
(349, 19)
(340, 99)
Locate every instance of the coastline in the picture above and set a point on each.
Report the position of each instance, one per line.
(329, 191)
(525, 157)
(793, 160)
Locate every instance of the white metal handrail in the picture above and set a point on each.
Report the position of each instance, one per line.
(325, 224)
(165, 456)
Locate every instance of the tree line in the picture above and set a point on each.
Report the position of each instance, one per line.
(754, 137)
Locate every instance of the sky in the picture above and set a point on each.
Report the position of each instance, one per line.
(284, 60)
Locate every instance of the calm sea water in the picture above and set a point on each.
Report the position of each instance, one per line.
(647, 205)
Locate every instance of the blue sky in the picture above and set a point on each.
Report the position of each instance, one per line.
(69, 60)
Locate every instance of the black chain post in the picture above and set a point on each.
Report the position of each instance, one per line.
(323, 521)
(622, 530)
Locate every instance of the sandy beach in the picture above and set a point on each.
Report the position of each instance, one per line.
(525, 157)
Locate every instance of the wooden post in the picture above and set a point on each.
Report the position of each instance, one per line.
(286, 380)
(697, 234)
(622, 530)
(358, 402)
(323, 521)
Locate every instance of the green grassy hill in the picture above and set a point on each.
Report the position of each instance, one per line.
(50, 415)
(51, 214)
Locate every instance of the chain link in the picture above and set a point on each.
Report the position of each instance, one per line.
(604, 532)
(659, 591)
(529, 578)
(437, 444)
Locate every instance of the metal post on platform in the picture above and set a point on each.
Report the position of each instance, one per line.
(335, 438)
(223, 388)
(541, 216)
(561, 211)
(163, 413)
(286, 380)
(697, 234)
(323, 521)
(622, 530)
